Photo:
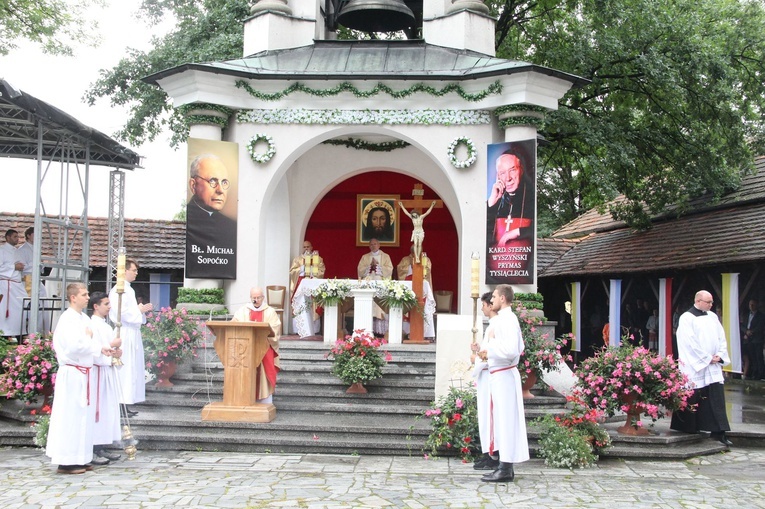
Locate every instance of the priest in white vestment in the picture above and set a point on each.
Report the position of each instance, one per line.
(132, 374)
(70, 436)
(503, 351)
(376, 265)
(259, 311)
(107, 427)
(490, 459)
(12, 292)
(26, 255)
(702, 352)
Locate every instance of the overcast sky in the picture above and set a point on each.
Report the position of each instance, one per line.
(155, 191)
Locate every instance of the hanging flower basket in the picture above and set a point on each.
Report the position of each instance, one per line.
(472, 153)
(261, 157)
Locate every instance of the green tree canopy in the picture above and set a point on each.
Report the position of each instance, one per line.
(674, 108)
(53, 24)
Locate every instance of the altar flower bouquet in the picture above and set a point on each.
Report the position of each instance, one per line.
(169, 335)
(358, 358)
(395, 294)
(30, 369)
(454, 422)
(619, 377)
(331, 293)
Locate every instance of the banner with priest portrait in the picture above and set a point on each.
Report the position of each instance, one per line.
(511, 212)
(211, 209)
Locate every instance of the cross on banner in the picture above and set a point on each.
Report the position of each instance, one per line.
(416, 325)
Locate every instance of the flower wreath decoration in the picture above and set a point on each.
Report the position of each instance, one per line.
(471, 152)
(261, 157)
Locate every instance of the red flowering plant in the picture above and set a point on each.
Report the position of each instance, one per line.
(41, 426)
(454, 422)
(169, 335)
(618, 378)
(541, 352)
(358, 358)
(30, 369)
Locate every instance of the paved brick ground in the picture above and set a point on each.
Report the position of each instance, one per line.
(188, 479)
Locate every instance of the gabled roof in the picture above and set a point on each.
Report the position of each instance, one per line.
(388, 60)
(727, 232)
(20, 117)
(153, 244)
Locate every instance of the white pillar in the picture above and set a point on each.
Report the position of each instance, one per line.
(330, 324)
(362, 308)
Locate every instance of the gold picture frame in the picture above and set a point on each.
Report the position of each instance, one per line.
(373, 208)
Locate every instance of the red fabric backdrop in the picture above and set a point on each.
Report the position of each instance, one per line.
(332, 229)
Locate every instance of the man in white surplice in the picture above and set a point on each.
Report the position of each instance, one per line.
(70, 436)
(132, 374)
(376, 265)
(107, 428)
(503, 350)
(12, 291)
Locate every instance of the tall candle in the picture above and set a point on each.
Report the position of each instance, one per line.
(121, 270)
(315, 259)
(475, 268)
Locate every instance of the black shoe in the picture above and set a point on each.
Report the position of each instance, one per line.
(98, 461)
(103, 453)
(720, 437)
(503, 474)
(130, 413)
(486, 462)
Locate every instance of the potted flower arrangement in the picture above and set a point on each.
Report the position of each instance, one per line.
(574, 439)
(331, 293)
(357, 359)
(394, 294)
(634, 380)
(454, 422)
(30, 369)
(170, 336)
(541, 354)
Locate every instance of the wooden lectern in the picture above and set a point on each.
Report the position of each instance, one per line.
(240, 347)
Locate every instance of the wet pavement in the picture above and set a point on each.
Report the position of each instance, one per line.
(206, 479)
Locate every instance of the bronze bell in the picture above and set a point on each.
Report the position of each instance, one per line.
(376, 15)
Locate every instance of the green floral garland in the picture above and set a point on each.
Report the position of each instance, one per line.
(261, 157)
(494, 88)
(358, 144)
(520, 107)
(472, 152)
(364, 117)
(524, 120)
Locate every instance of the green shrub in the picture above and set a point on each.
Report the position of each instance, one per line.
(201, 296)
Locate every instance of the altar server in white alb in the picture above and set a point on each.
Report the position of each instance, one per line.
(12, 291)
(133, 373)
(503, 351)
(490, 459)
(107, 427)
(702, 351)
(70, 436)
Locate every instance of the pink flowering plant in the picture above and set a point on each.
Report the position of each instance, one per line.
(655, 384)
(358, 358)
(542, 352)
(454, 422)
(169, 335)
(30, 369)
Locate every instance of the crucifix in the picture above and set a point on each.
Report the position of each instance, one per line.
(416, 206)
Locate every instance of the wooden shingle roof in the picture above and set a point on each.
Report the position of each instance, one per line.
(154, 244)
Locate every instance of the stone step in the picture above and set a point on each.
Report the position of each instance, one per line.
(308, 379)
(325, 367)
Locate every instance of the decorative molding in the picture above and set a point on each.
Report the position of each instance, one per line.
(472, 152)
(509, 108)
(364, 117)
(494, 88)
(359, 144)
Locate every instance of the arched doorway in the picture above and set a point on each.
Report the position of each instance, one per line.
(332, 228)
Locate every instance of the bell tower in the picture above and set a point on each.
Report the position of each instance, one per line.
(282, 24)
